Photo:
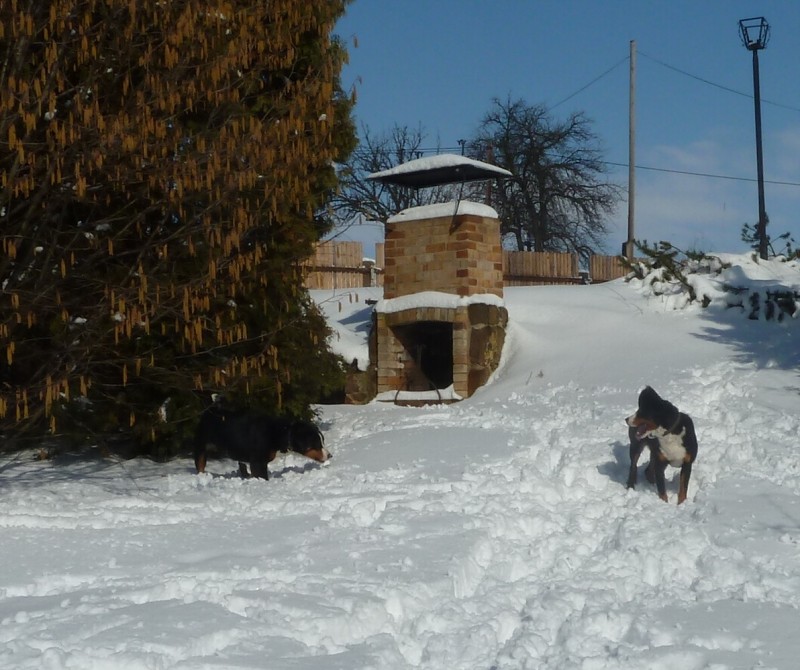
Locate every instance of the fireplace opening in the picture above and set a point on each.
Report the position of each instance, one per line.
(428, 349)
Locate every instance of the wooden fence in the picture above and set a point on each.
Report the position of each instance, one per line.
(526, 268)
(342, 265)
(605, 268)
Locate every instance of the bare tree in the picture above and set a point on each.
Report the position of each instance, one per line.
(558, 196)
(360, 199)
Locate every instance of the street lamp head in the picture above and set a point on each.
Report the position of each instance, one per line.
(754, 33)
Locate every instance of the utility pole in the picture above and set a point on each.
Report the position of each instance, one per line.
(631, 154)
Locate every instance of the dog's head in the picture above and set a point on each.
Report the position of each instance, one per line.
(655, 416)
(307, 440)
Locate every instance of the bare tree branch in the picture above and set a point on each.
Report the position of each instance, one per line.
(558, 198)
(361, 200)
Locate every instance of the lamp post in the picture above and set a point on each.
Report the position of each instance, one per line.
(755, 34)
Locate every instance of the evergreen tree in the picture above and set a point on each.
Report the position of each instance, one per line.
(164, 168)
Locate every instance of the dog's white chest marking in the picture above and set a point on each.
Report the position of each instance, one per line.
(671, 446)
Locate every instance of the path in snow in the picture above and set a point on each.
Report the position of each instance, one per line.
(493, 533)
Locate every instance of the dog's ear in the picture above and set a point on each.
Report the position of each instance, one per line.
(649, 394)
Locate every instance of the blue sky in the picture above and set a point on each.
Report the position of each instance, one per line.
(439, 64)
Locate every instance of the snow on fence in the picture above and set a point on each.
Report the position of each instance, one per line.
(342, 265)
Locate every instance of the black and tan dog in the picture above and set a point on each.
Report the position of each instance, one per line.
(252, 438)
(670, 436)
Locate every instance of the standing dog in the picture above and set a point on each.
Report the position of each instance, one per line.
(669, 434)
(255, 439)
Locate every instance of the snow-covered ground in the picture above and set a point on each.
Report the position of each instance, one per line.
(495, 533)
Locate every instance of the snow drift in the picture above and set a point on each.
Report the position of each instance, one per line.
(492, 533)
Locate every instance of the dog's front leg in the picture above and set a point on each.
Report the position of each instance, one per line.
(259, 469)
(683, 488)
(650, 470)
(635, 452)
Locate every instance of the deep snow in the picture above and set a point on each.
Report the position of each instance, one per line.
(493, 533)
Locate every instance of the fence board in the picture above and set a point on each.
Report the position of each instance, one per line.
(529, 268)
(337, 255)
(605, 268)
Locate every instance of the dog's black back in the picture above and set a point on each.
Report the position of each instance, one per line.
(254, 438)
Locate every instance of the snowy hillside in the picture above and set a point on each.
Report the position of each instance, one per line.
(495, 533)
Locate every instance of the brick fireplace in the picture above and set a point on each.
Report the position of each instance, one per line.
(441, 325)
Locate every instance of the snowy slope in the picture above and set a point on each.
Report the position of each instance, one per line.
(493, 533)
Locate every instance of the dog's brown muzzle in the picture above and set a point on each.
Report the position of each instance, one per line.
(320, 455)
(642, 426)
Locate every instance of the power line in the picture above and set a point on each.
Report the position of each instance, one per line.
(678, 70)
(594, 81)
(690, 173)
(703, 174)
(714, 84)
(708, 175)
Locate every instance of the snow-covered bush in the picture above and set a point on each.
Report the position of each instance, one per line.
(760, 289)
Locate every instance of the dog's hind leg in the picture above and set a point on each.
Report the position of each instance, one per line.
(659, 466)
(243, 473)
